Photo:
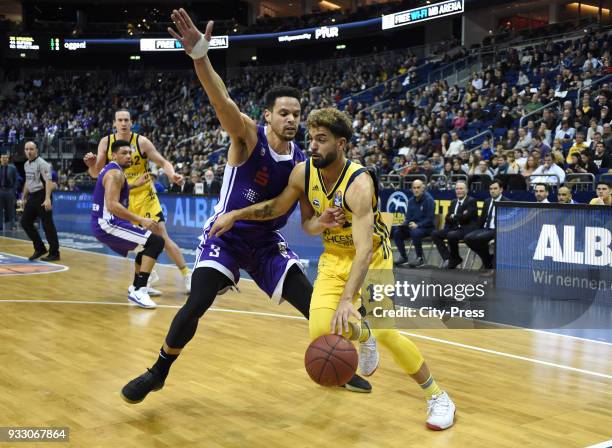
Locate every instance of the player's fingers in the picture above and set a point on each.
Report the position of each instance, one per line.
(209, 29)
(345, 321)
(356, 314)
(174, 34)
(179, 22)
(186, 19)
(333, 323)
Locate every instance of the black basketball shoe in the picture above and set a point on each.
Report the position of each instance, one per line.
(136, 390)
(358, 384)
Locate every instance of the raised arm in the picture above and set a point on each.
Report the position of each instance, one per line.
(266, 210)
(242, 130)
(359, 199)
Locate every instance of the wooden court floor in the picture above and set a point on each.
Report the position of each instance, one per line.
(70, 342)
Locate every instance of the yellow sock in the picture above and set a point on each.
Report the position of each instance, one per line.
(184, 271)
(430, 387)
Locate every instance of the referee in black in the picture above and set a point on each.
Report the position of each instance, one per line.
(37, 204)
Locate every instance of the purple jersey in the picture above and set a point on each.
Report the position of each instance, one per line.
(98, 208)
(120, 235)
(263, 176)
(255, 246)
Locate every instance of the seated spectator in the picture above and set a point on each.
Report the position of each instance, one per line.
(564, 196)
(524, 140)
(472, 165)
(71, 185)
(457, 167)
(538, 143)
(412, 168)
(454, 147)
(604, 194)
(212, 187)
(461, 219)
(513, 165)
(486, 150)
(601, 157)
(541, 192)
(437, 163)
(419, 223)
(483, 169)
(549, 167)
(427, 169)
(505, 119)
(478, 240)
(460, 121)
(578, 146)
(564, 132)
(587, 165)
(511, 139)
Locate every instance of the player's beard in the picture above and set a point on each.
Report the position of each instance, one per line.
(325, 161)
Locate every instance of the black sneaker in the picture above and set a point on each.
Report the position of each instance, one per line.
(358, 384)
(136, 390)
(401, 261)
(37, 254)
(51, 257)
(417, 263)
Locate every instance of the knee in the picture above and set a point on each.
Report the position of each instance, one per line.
(154, 246)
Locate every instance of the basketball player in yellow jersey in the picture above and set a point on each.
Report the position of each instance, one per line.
(143, 198)
(331, 186)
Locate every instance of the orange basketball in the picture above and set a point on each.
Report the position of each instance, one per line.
(331, 360)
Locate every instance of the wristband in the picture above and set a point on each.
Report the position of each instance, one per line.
(200, 48)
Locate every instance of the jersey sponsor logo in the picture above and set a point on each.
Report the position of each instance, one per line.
(338, 199)
(316, 203)
(340, 240)
(262, 177)
(315, 188)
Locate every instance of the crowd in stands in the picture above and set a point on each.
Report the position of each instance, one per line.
(431, 129)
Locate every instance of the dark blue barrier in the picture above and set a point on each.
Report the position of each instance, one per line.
(396, 201)
(185, 217)
(556, 251)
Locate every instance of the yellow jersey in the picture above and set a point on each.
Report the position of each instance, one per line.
(339, 240)
(139, 164)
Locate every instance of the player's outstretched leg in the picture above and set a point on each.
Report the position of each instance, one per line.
(207, 283)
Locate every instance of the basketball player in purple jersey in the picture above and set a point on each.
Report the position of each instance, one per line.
(259, 162)
(110, 222)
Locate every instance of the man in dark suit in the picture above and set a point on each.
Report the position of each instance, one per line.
(461, 219)
(8, 186)
(212, 187)
(478, 240)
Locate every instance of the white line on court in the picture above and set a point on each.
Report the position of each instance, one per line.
(251, 280)
(607, 444)
(66, 268)
(285, 316)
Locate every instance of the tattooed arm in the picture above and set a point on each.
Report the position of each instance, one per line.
(266, 210)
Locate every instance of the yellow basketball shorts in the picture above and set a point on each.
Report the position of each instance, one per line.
(146, 204)
(333, 273)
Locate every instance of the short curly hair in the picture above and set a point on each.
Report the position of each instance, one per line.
(337, 122)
